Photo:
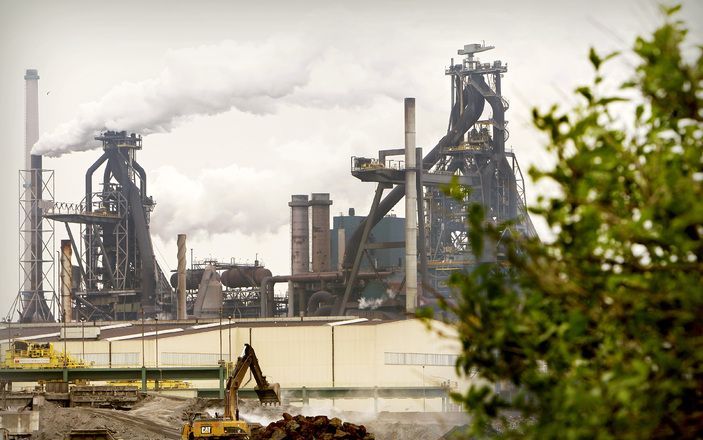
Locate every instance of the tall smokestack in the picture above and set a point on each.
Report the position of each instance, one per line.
(320, 203)
(182, 276)
(31, 134)
(300, 236)
(300, 244)
(66, 279)
(34, 306)
(31, 115)
(410, 208)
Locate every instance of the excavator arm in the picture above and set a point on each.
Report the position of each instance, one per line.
(267, 393)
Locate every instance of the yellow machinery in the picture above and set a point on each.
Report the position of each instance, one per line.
(230, 427)
(168, 384)
(23, 354)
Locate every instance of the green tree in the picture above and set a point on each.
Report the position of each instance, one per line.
(601, 330)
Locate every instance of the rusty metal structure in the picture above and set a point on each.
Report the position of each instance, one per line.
(119, 275)
(473, 151)
(218, 289)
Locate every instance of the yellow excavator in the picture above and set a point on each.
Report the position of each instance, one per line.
(202, 426)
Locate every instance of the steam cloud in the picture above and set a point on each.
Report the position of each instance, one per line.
(216, 202)
(204, 80)
(212, 79)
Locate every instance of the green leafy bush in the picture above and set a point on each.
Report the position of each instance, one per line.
(600, 332)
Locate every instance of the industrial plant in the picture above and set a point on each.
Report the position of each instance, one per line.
(343, 308)
(108, 269)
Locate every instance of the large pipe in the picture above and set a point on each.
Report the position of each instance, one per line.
(245, 276)
(320, 204)
(193, 278)
(181, 243)
(36, 225)
(410, 208)
(66, 279)
(317, 300)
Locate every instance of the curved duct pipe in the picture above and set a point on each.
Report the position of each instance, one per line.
(142, 177)
(472, 112)
(146, 249)
(89, 180)
(317, 299)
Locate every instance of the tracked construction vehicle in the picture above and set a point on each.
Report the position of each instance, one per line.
(203, 426)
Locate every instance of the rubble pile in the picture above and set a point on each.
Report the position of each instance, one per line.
(317, 427)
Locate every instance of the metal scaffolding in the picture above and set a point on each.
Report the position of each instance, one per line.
(36, 300)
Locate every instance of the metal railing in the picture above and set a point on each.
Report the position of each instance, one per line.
(368, 164)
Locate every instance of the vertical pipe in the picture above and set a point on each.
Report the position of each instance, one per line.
(66, 279)
(36, 230)
(410, 208)
(422, 231)
(320, 204)
(291, 299)
(181, 242)
(341, 247)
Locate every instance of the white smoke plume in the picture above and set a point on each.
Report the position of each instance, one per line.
(217, 201)
(374, 303)
(212, 79)
(204, 80)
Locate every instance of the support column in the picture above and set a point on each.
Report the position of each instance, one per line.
(66, 279)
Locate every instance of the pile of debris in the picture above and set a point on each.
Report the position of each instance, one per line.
(318, 427)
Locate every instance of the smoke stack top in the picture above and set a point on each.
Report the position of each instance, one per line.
(31, 74)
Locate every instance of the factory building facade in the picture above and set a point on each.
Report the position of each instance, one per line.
(365, 358)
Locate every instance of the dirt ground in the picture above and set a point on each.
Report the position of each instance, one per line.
(158, 417)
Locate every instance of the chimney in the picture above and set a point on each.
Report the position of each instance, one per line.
(300, 236)
(66, 279)
(31, 115)
(320, 203)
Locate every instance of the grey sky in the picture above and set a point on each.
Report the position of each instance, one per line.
(232, 173)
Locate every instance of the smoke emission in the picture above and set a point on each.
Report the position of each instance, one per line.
(207, 80)
(204, 80)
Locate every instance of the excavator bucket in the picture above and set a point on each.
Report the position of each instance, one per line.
(270, 395)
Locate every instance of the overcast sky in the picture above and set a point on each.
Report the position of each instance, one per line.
(289, 92)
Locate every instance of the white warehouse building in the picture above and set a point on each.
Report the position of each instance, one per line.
(351, 364)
